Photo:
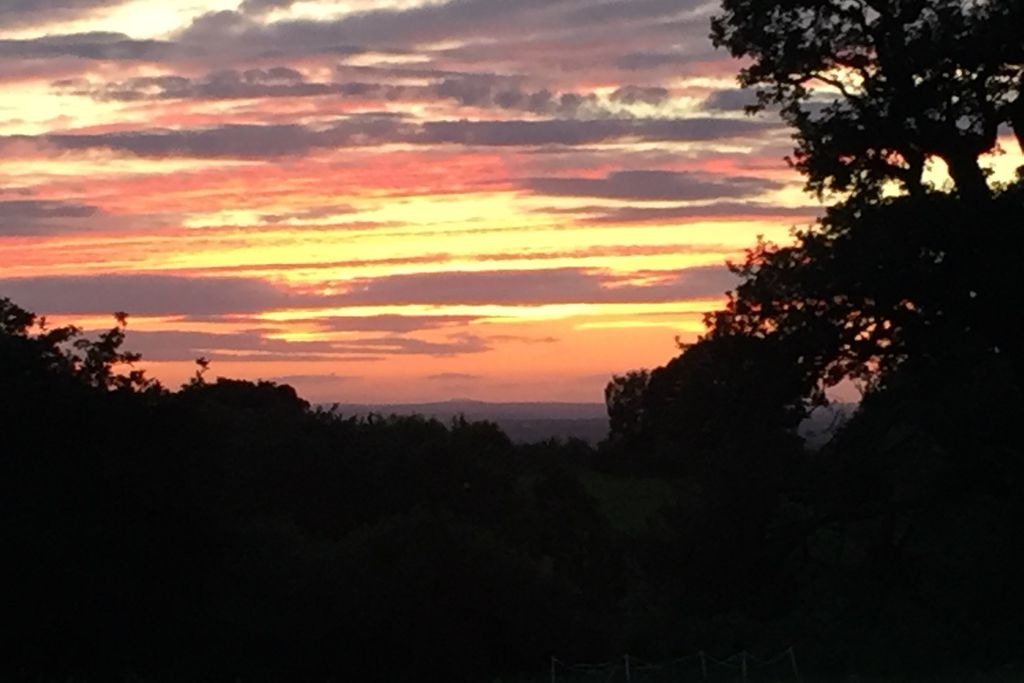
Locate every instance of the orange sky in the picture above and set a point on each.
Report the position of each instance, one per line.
(383, 201)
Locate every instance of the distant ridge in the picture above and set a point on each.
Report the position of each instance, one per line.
(527, 422)
(524, 421)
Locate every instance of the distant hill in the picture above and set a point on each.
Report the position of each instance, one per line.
(530, 422)
(523, 422)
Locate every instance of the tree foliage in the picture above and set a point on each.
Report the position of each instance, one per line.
(871, 286)
(864, 547)
(34, 349)
(229, 530)
(876, 88)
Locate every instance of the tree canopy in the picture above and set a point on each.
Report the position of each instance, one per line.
(874, 89)
(907, 289)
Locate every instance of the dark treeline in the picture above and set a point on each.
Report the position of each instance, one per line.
(228, 531)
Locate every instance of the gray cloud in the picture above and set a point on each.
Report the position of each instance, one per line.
(632, 94)
(31, 209)
(240, 141)
(520, 339)
(36, 12)
(92, 46)
(631, 10)
(523, 33)
(34, 217)
(468, 22)
(196, 298)
(453, 377)
(208, 296)
(397, 324)
(180, 345)
(273, 141)
(489, 91)
(729, 100)
(263, 6)
(646, 60)
(387, 27)
(578, 132)
(737, 210)
(146, 294)
(233, 141)
(535, 287)
(718, 210)
(318, 380)
(385, 323)
(485, 91)
(224, 84)
(310, 214)
(187, 345)
(652, 186)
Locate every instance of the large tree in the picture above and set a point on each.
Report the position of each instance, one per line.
(870, 286)
(877, 88)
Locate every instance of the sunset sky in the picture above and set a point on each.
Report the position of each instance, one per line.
(397, 200)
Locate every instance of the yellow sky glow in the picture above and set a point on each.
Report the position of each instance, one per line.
(384, 200)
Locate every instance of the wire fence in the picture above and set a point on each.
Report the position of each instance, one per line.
(742, 667)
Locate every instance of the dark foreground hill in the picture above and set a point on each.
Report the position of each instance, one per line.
(227, 531)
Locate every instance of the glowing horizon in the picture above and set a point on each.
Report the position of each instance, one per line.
(384, 201)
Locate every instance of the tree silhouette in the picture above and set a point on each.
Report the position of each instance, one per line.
(858, 549)
(870, 286)
(624, 400)
(875, 88)
(724, 407)
(28, 340)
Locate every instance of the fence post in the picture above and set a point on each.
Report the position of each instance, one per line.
(792, 660)
(552, 669)
(743, 665)
(703, 666)
(628, 675)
